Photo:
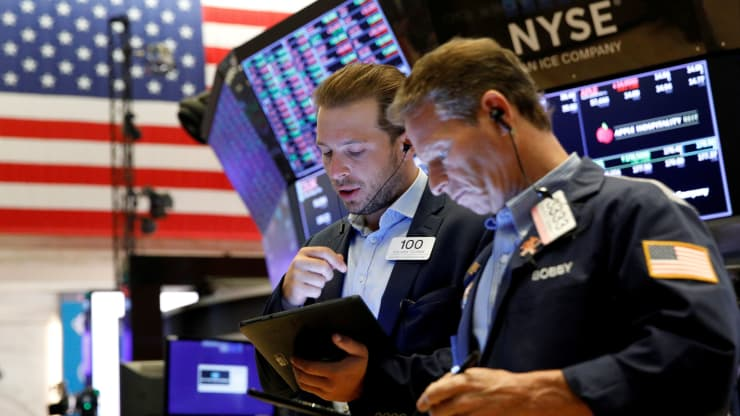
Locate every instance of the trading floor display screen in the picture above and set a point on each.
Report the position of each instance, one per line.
(317, 202)
(659, 124)
(247, 161)
(284, 74)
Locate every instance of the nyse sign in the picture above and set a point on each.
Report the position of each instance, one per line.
(567, 41)
(548, 31)
(580, 26)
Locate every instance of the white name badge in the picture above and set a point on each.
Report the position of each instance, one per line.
(553, 217)
(410, 248)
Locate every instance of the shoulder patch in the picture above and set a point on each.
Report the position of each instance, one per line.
(678, 260)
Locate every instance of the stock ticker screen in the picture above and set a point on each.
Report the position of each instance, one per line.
(284, 74)
(659, 124)
(318, 204)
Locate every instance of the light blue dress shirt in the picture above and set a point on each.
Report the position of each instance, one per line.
(368, 272)
(513, 222)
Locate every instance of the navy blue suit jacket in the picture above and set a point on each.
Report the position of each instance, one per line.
(420, 308)
(628, 343)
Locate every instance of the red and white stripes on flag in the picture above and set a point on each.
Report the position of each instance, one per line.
(55, 152)
(678, 260)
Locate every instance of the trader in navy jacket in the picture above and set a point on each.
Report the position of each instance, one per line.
(417, 302)
(599, 295)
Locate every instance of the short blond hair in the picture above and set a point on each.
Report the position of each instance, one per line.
(455, 75)
(358, 81)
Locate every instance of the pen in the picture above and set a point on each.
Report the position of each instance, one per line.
(470, 361)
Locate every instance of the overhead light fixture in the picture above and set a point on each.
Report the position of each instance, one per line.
(191, 112)
(159, 205)
(129, 128)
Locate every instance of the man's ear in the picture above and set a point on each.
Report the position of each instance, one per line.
(498, 109)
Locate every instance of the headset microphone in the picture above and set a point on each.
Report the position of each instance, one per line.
(405, 150)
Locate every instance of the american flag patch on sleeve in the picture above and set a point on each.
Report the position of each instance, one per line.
(678, 260)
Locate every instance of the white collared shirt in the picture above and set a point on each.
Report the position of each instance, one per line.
(368, 272)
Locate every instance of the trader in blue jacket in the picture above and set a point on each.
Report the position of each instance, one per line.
(599, 295)
(416, 301)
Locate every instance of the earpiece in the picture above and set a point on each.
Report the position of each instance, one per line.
(406, 147)
(496, 115)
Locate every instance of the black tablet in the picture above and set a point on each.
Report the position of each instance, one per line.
(306, 332)
(295, 404)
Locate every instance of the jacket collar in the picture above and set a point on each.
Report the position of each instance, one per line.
(585, 182)
(425, 223)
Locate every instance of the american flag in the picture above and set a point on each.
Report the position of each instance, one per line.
(55, 156)
(678, 260)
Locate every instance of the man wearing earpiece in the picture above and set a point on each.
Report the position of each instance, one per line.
(417, 302)
(599, 295)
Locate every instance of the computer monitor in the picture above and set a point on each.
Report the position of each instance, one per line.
(142, 388)
(252, 164)
(209, 377)
(286, 63)
(658, 124)
(315, 203)
(261, 123)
